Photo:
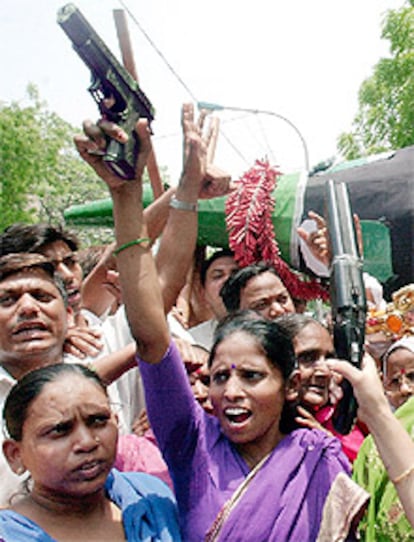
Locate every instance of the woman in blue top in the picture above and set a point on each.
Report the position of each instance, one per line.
(62, 430)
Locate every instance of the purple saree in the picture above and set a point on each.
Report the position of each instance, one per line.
(285, 499)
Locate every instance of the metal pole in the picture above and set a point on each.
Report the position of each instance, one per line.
(217, 107)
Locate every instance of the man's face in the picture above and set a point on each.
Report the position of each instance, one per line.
(67, 265)
(33, 321)
(217, 274)
(266, 294)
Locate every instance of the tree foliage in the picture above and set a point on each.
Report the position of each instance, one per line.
(385, 117)
(41, 173)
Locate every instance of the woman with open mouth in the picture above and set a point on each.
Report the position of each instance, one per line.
(238, 475)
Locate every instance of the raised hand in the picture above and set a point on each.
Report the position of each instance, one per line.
(194, 153)
(367, 386)
(317, 241)
(199, 148)
(92, 144)
(82, 342)
(306, 419)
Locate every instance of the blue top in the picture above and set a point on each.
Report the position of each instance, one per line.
(147, 504)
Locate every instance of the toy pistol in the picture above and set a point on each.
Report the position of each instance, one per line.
(116, 92)
(348, 297)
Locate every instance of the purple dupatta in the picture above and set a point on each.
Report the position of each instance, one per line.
(284, 500)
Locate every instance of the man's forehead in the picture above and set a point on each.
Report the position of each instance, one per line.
(58, 248)
(262, 282)
(27, 278)
(223, 261)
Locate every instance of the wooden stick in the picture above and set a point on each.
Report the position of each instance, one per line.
(212, 139)
(128, 61)
(124, 42)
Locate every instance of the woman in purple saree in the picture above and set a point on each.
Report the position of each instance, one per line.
(237, 475)
(210, 457)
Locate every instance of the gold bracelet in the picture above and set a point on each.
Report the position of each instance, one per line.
(403, 476)
(131, 244)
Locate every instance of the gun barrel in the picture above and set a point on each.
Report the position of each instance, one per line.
(116, 92)
(341, 225)
(100, 60)
(347, 291)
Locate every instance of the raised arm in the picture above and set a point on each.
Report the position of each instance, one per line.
(394, 444)
(138, 276)
(199, 179)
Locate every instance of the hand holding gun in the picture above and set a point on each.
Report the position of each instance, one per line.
(118, 95)
(347, 292)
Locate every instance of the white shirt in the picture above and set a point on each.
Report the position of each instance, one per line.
(126, 393)
(203, 334)
(9, 482)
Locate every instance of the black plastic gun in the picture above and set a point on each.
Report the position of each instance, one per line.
(116, 92)
(347, 293)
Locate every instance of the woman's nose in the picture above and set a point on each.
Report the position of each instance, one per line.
(85, 439)
(200, 390)
(321, 366)
(405, 387)
(233, 387)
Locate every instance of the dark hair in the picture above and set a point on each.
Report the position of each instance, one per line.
(18, 262)
(231, 290)
(272, 339)
(28, 388)
(21, 237)
(293, 323)
(234, 317)
(222, 253)
(89, 258)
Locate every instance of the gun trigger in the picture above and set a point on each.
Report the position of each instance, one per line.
(98, 95)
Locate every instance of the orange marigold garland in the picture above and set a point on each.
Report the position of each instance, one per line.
(251, 234)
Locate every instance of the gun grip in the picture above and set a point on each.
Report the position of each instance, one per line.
(121, 157)
(345, 412)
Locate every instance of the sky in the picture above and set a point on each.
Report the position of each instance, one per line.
(300, 61)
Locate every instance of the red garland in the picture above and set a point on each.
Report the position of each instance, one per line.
(251, 234)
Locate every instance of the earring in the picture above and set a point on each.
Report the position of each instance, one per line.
(20, 470)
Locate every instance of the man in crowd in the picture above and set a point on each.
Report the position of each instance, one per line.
(259, 288)
(213, 274)
(34, 318)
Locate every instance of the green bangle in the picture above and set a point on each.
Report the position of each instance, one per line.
(131, 244)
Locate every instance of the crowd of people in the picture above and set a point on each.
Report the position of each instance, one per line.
(123, 422)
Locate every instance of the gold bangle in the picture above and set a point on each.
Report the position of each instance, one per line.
(132, 243)
(403, 476)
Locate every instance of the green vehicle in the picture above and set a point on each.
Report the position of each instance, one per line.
(381, 190)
